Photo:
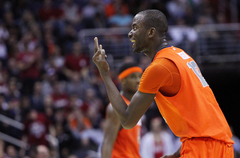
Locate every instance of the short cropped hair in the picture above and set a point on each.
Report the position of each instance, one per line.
(126, 66)
(155, 18)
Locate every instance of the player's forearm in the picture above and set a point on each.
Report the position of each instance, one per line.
(106, 151)
(107, 146)
(116, 100)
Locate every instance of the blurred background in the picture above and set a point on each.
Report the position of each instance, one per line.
(52, 99)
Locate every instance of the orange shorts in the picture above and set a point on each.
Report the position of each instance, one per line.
(206, 148)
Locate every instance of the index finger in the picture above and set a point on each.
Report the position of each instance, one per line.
(96, 47)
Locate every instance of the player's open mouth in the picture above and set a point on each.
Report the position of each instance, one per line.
(133, 41)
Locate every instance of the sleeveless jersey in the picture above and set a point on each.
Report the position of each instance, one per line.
(193, 111)
(127, 141)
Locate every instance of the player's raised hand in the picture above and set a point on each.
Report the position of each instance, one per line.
(99, 57)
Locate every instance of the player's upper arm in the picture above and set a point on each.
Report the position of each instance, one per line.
(154, 77)
(137, 107)
(162, 76)
(111, 126)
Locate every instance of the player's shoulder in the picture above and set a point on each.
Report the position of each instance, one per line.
(111, 115)
(110, 111)
(109, 108)
(158, 64)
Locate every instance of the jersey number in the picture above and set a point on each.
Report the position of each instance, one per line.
(192, 65)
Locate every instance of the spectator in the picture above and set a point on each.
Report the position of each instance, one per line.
(3, 79)
(236, 146)
(42, 152)
(37, 126)
(176, 9)
(76, 61)
(49, 42)
(114, 5)
(48, 109)
(157, 142)
(76, 86)
(78, 121)
(49, 12)
(27, 43)
(191, 16)
(29, 64)
(49, 78)
(100, 21)
(207, 12)
(90, 11)
(25, 107)
(13, 90)
(68, 142)
(10, 24)
(92, 100)
(11, 151)
(55, 63)
(59, 97)
(2, 146)
(31, 153)
(27, 20)
(120, 19)
(35, 29)
(13, 70)
(72, 156)
(13, 110)
(71, 12)
(9, 109)
(183, 35)
(221, 18)
(37, 98)
(68, 38)
(4, 36)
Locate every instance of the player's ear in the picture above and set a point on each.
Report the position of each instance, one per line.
(151, 32)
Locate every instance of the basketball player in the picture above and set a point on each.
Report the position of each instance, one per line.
(119, 142)
(174, 80)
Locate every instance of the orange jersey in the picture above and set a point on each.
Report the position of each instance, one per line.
(127, 142)
(199, 147)
(193, 111)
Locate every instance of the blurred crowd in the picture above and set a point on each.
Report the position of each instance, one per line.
(48, 82)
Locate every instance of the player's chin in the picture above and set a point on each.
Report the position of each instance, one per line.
(137, 51)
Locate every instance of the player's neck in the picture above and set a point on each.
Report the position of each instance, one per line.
(160, 43)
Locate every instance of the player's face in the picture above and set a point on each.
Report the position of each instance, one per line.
(132, 82)
(138, 34)
(156, 124)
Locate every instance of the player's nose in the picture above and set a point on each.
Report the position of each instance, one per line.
(130, 34)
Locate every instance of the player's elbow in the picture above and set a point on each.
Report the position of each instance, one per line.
(128, 121)
(128, 125)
